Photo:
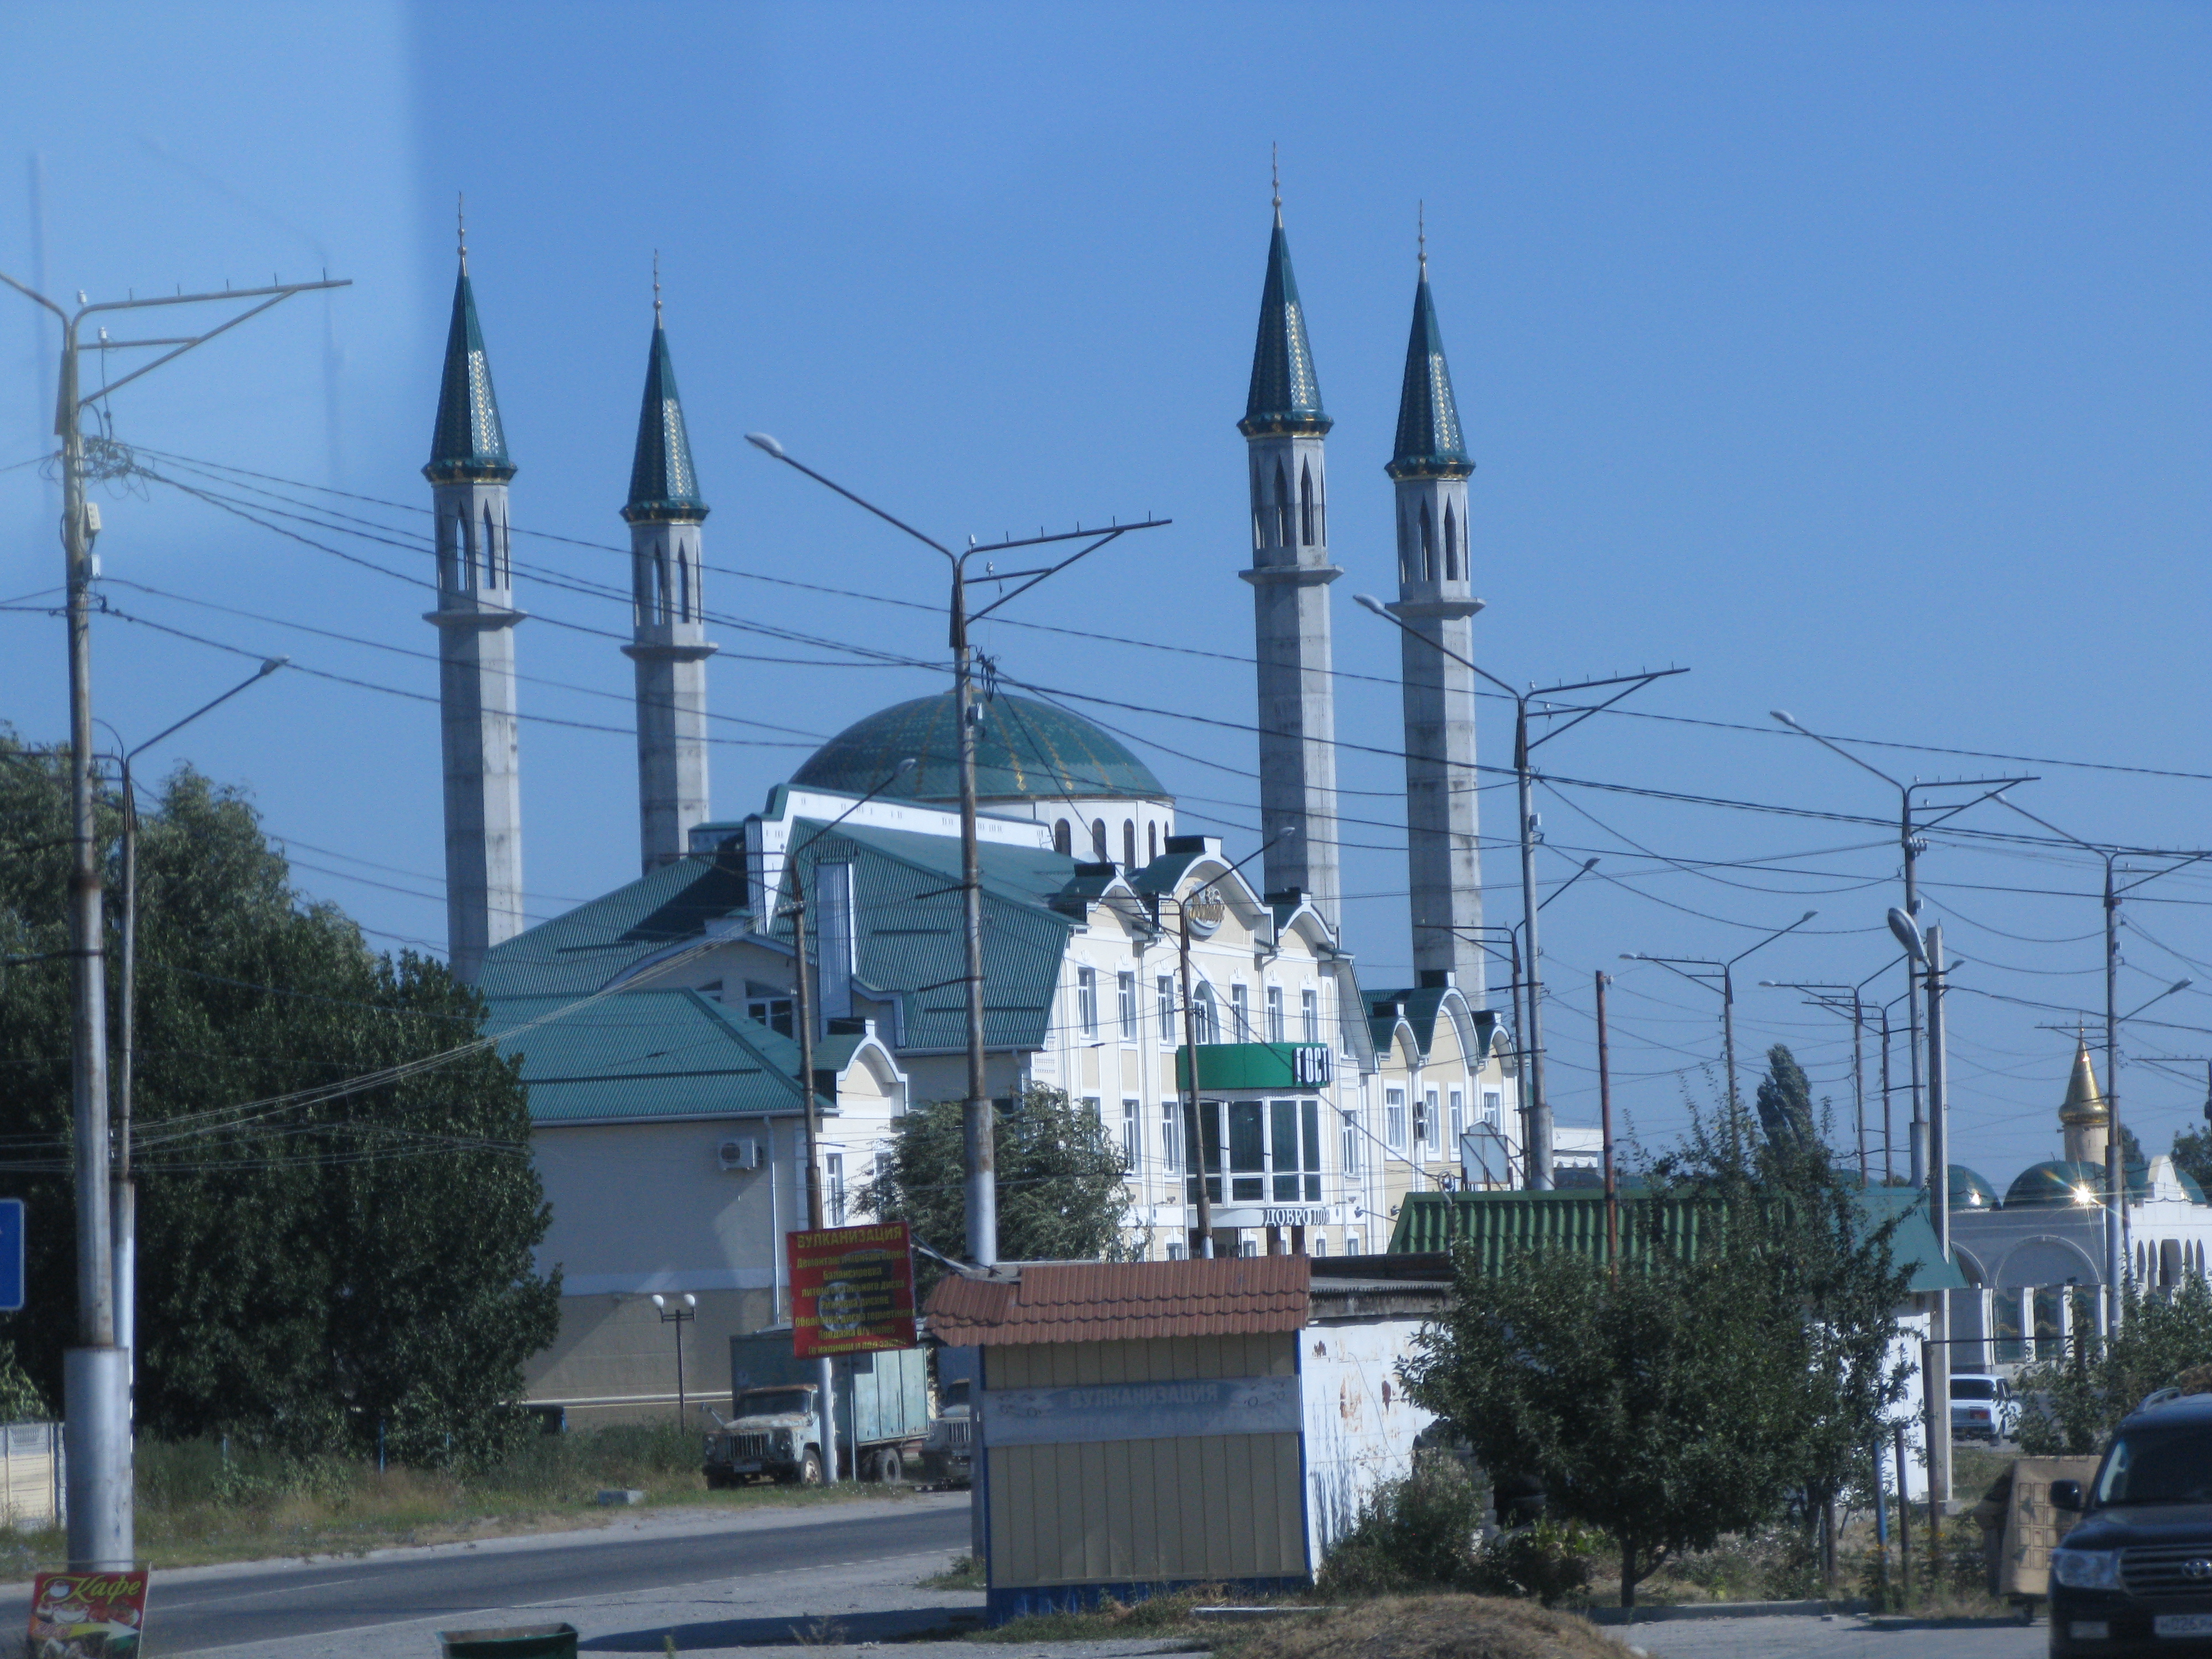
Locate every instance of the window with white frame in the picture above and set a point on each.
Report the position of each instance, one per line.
(1494, 1106)
(1348, 1149)
(1171, 1136)
(833, 1172)
(1425, 1123)
(1133, 1136)
(1310, 1014)
(1457, 1120)
(1086, 1001)
(1277, 1030)
(1164, 986)
(1240, 1006)
(1125, 996)
(1205, 1015)
(1394, 1119)
(1319, 1246)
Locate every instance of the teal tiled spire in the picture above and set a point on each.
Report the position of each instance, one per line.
(662, 485)
(1286, 395)
(1429, 442)
(470, 442)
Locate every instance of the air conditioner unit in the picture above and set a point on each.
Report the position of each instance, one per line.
(740, 1154)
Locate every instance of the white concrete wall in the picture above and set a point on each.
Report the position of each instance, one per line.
(1358, 1426)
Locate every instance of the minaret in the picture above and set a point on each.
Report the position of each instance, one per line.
(1284, 429)
(476, 617)
(2084, 1120)
(1429, 465)
(670, 644)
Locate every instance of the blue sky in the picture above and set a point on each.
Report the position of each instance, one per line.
(1855, 357)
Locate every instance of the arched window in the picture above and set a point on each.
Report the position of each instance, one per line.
(683, 587)
(1098, 853)
(1152, 840)
(1259, 514)
(468, 550)
(1451, 545)
(1205, 1016)
(449, 533)
(660, 586)
(1306, 506)
(1282, 507)
(1403, 535)
(490, 550)
(1062, 842)
(1428, 545)
(1129, 843)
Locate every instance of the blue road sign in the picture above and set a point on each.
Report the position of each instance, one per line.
(11, 1254)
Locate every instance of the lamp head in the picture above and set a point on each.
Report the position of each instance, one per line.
(272, 664)
(1631, 956)
(1368, 602)
(761, 440)
(658, 1300)
(1908, 935)
(2180, 985)
(1589, 864)
(1784, 717)
(689, 1300)
(903, 767)
(1806, 917)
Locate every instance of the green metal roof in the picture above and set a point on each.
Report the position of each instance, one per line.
(642, 1054)
(1429, 442)
(1969, 1191)
(1286, 393)
(1500, 1226)
(662, 485)
(469, 442)
(1024, 751)
(2056, 1182)
(580, 950)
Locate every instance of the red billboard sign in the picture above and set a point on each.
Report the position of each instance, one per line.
(852, 1290)
(87, 1615)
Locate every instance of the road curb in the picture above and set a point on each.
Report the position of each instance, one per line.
(1671, 1611)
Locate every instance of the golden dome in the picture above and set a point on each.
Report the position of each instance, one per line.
(2084, 1105)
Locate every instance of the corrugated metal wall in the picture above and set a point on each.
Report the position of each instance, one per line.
(1217, 1506)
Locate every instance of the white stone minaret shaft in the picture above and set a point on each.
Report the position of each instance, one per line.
(1443, 862)
(1285, 431)
(476, 618)
(669, 644)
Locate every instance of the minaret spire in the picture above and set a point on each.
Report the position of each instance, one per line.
(1286, 430)
(469, 469)
(1428, 467)
(669, 643)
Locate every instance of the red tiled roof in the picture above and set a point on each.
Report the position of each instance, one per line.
(1106, 1302)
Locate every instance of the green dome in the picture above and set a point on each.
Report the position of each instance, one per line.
(1024, 751)
(2056, 1182)
(1969, 1191)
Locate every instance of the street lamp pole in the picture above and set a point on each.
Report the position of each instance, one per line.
(978, 1137)
(122, 1193)
(1536, 1104)
(1701, 970)
(95, 1374)
(1927, 953)
(678, 1313)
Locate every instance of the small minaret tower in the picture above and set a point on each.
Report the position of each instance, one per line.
(1285, 427)
(2085, 1121)
(670, 644)
(1430, 467)
(476, 619)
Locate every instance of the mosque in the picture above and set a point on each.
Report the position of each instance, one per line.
(655, 1025)
(2024, 1255)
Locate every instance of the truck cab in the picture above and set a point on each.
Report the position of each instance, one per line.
(948, 1451)
(773, 1433)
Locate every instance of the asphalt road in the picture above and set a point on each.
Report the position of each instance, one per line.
(186, 1614)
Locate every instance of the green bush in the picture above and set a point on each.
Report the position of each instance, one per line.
(1551, 1560)
(1414, 1533)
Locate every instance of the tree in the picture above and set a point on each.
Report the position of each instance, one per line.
(1061, 1196)
(1785, 1098)
(2192, 1154)
(318, 1253)
(2079, 1399)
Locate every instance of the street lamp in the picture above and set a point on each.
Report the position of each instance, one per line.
(1701, 970)
(1926, 952)
(679, 1313)
(1196, 1142)
(1539, 1108)
(1912, 846)
(123, 1198)
(980, 1154)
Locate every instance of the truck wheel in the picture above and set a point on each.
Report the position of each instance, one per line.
(891, 1468)
(810, 1468)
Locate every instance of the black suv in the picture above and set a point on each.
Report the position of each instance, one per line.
(2135, 1575)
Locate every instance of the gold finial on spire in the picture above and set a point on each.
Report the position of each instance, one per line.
(2085, 1104)
(461, 225)
(1275, 175)
(656, 287)
(1421, 234)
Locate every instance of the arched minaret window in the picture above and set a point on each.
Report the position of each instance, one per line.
(506, 552)
(1404, 573)
(1128, 843)
(1451, 545)
(1320, 512)
(1282, 507)
(448, 530)
(490, 550)
(1306, 506)
(1062, 842)
(1259, 514)
(468, 549)
(683, 587)
(1428, 545)
(1099, 841)
(659, 585)
(1152, 840)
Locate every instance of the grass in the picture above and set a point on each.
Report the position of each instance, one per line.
(963, 1572)
(198, 1504)
(1439, 1626)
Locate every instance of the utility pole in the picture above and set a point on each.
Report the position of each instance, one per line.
(1605, 1128)
(1927, 953)
(978, 1134)
(1831, 997)
(95, 1374)
(1538, 1108)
